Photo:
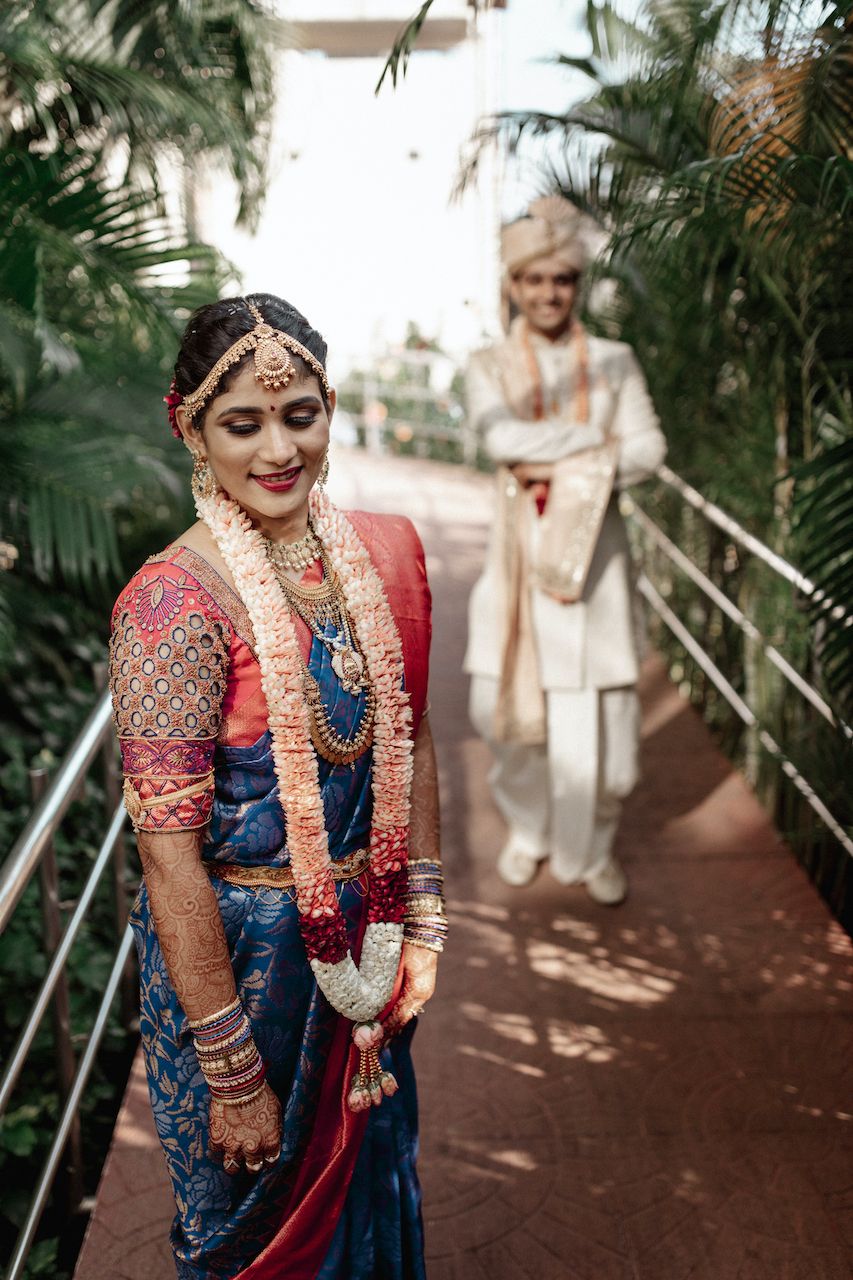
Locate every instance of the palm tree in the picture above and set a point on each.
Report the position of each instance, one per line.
(98, 269)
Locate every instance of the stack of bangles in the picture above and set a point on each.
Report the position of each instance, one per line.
(425, 922)
(227, 1054)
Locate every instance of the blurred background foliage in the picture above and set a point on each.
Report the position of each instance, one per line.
(408, 402)
(100, 104)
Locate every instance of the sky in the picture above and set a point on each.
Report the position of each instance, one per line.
(359, 228)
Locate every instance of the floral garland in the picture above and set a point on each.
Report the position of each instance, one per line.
(359, 992)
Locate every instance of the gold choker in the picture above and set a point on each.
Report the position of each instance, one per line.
(295, 556)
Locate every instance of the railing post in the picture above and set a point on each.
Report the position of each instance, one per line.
(112, 792)
(66, 1066)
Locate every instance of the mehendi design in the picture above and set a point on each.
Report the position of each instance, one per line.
(188, 921)
(250, 1131)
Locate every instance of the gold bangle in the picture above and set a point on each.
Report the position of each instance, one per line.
(437, 946)
(217, 1046)
(238, 1102)
(198, 1024)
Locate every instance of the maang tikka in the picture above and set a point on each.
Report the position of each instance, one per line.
(272, 360)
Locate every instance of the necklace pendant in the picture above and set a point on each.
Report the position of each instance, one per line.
(348, 666)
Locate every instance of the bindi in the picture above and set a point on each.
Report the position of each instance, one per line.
(272, 408)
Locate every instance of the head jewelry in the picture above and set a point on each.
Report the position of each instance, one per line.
(273, 364)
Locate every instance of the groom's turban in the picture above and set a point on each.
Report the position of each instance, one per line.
(551, 229)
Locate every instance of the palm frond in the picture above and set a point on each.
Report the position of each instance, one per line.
(103, 73)
(403, 47)
(66, 233)
(70, 474)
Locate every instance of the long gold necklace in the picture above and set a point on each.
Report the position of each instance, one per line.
(318, 605)
(328, 743)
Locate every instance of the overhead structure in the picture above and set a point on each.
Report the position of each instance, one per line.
(374, 38)
(369, 29)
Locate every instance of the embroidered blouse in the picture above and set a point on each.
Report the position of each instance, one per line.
(169, 656)
(187, 696)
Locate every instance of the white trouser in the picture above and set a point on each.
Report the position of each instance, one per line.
(565, 798)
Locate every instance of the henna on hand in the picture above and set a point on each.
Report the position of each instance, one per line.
(420, 967)
(189, 925)
(419, 964)
(425, 818)
(246, 1133)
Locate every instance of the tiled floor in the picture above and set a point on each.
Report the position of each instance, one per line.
(656, 1092)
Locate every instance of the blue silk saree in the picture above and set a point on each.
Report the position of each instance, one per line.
(343, 1201)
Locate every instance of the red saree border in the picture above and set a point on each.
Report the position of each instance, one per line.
(299, 1247)
(398, 557)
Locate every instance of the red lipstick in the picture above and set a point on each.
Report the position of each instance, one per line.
(279, 481)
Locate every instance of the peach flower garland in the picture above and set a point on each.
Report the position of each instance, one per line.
(359, 992)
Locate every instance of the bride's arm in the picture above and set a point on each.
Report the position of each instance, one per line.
(169, 655)
(188, 921)
(420, 960)
(195, 951)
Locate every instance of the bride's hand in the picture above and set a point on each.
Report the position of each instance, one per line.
(419, 971)
(247, 1133)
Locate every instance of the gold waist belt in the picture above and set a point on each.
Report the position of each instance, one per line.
(349, 868)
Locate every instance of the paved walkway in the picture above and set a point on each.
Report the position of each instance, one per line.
(656, 1092)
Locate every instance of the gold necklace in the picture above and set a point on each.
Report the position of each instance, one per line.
(327, 741)
(319, 605)
(295, 556)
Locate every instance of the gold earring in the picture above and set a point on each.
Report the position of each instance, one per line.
(203, 484)
(324, 472)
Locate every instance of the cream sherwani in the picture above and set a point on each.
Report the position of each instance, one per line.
(564, 797)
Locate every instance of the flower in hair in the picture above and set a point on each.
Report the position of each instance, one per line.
(171, 401)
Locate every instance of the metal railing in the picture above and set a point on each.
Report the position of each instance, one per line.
(653, 535)
(34, 851)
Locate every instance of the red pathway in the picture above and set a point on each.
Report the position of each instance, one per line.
(656, 1092)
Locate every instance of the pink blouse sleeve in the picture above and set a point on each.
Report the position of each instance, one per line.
(168, 672)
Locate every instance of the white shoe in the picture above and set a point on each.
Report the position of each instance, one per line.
(609, 886)
(515, 866)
